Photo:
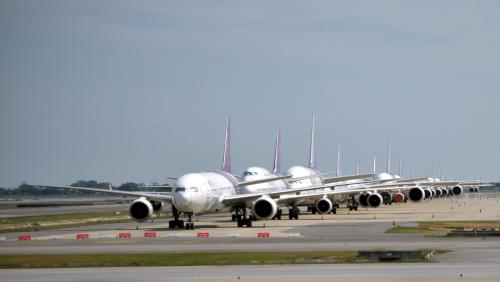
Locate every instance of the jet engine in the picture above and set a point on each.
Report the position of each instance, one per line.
(264, 208)
(387, 197)
(375, 200)
(433, 193)
(456, 190)
(141, 210)
(399, 197)
(416, 194)
(444, 192)
(427, 193)
(324, 205)
(363, 199)
(438, 192)
(476, 189)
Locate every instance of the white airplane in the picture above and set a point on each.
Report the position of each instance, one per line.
(208, 192)
(256, 173)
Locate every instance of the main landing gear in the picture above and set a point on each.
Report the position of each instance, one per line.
(352, 204)
(293, 213)
(176, 223)
(278, 215)
(241, 217)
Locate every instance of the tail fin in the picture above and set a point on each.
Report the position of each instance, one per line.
(389, 155)
(312, 151)
(357, 164)
(400, 171)
(277, 152)
(226, 162)
(374, 164)
(338, 160)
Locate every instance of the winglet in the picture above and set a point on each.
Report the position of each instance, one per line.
(312, 152)
(110, 186)
(374, 164)
(277, 152)
(226, 162)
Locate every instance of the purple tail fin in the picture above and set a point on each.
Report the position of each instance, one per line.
(226, 162)
(277, 152)
(357, 164)
(338, 161)
(400, 171)
(312, 152)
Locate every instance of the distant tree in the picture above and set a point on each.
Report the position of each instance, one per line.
(129, 186)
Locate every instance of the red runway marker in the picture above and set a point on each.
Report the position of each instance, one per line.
(82, 236)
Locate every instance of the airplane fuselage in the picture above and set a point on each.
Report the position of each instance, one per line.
(201, 193)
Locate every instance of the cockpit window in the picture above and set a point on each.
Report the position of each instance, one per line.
(183, 189)
(249, 173)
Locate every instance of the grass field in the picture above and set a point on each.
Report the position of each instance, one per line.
(180, 259)
(43, 222)
(438, 227)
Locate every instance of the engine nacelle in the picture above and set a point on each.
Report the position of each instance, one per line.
(363, 199)
(416, 194)
(438, 192)
(387, 197)
(427, 193)
(398, 197)
(456, 190)
(141, 210)
(264, 208)
(324, 205)
(476, 189)
(444, 192)
(375, 200)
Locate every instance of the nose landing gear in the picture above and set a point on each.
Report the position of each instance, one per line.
(293, 213)
(240, 216)
(190, 224)
(176, 223)
(352, 204)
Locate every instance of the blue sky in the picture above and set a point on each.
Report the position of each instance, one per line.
(139, 90)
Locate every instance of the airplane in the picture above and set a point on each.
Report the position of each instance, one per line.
(255, 173)
(210, 192)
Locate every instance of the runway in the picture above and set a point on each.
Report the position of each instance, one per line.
(372, 272)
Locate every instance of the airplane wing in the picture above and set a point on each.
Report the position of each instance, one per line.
(243, 198)
(288, 198)
(150, 195)
(264, 180)
(345, 178)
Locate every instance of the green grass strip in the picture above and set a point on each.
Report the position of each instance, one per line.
(436, 227)
(177, 259)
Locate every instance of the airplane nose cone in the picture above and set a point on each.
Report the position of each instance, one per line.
(182, 202)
